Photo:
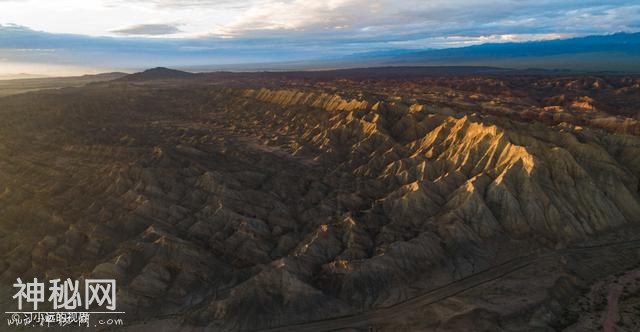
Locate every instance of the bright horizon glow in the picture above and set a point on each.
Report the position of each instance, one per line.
(72, 36)
(11, 70)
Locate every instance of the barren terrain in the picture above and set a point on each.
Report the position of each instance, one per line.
(324, 201)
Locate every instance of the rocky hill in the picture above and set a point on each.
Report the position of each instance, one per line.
(159, 73)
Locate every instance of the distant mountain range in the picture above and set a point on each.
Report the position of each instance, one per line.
(161, 73)
(616, 52)
(20, 76)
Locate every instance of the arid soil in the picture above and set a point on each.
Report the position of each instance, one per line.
(17, 86)
(242, 203)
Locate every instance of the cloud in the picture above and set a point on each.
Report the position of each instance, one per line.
(241, 31)
(402, 19)
(148, 30)
(201, 4)
(24, 45)
(346, 21)
(382, 20)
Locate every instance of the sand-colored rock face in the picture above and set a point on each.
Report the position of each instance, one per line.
(521, 178)
(239, 208)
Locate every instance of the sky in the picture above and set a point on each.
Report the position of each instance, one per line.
(66, 37)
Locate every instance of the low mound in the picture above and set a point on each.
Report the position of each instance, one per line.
(159, 73)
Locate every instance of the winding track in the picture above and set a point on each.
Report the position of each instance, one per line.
(371, 318)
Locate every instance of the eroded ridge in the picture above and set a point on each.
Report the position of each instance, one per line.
(236, 207)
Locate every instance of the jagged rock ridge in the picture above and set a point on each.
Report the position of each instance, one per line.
(239, 208)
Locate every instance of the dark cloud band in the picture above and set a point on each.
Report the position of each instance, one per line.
(148, 30)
